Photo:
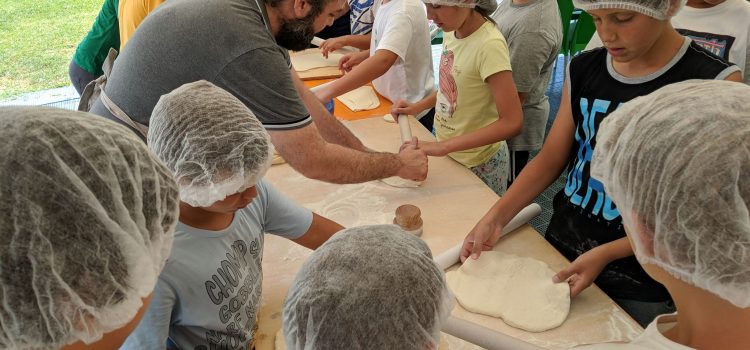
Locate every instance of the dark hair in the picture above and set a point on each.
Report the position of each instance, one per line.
(317, 5)
(485, 13)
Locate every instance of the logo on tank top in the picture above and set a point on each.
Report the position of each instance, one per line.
(581, 189)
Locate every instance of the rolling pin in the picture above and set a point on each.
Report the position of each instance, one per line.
(403, 124)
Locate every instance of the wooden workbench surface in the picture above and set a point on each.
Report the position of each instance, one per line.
(452, 200)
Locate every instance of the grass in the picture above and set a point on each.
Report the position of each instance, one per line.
(38, 39)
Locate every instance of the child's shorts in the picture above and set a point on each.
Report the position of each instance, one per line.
(496, 171)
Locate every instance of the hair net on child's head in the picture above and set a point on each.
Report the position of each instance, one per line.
(368, 287)
(658, 9)
(88, 214)
(488, 5)
(677, 164)
(214, 144)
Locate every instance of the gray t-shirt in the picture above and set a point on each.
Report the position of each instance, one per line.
(208, 294)
(534, 35)
(226, 42)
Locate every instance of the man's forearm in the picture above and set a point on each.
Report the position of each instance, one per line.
(329, 127)
(337, 164)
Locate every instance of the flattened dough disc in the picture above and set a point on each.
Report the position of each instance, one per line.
(312, 58)
(517, 289)
(360, 99)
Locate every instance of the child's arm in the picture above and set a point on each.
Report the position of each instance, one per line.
(535, 177)
(327, 125)
(404, 107)
(153, 330)
(361, 42)
(508, 124)
(371, 68)
(736, 76)
(584, 270)
(319, 232)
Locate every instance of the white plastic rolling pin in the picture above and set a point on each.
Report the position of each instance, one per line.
(403, 124)
(484, 337)
(451, 256)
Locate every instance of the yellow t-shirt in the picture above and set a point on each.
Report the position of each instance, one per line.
(130, 14)
(464, 100)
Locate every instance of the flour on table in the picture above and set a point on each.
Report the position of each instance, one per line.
(396, 181)
(280, 344)
(360, 99)
(313, 58)
(517, 289)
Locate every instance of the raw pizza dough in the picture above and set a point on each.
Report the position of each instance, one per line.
(396, 181)
(389, 118)
(517, 289)
(360, 99)
(313, 58)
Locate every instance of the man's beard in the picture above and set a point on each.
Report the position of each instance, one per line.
(296, 34)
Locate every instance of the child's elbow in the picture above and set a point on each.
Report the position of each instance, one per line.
(516, 126)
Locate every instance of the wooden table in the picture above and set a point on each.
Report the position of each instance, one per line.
(341, 111)
(452, 200)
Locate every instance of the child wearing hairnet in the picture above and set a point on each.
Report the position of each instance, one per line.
(684, 197)
(369, 287)
(720, 26)
(642, 52)
(209, 292)
(476, 105)
(396, 56)
(88, 222)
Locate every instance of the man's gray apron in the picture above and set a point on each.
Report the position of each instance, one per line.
(95, 89)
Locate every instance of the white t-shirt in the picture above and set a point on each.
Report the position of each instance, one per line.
(651, 339)
(723, 29)
(401, 27)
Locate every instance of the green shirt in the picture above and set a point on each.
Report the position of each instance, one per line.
(104, 34)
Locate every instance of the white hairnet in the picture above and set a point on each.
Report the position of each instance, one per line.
(368, 287)
(487, 5)
(658, 9)
(213, 143)
(88, 218)
(677, 164)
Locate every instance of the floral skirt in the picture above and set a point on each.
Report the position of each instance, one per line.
(496, 171)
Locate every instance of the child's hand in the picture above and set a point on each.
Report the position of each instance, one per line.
(482, 237)
(332, 44)
(351, 60)
(435, 149)
(583, 271)
(404, 107)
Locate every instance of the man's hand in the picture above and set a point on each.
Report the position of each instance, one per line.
(414, 162)
(333, 44)
(583, 271)
(351, 60)
(403, 107)
(483, 236)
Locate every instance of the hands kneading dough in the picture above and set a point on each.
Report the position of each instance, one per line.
(517, 289)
